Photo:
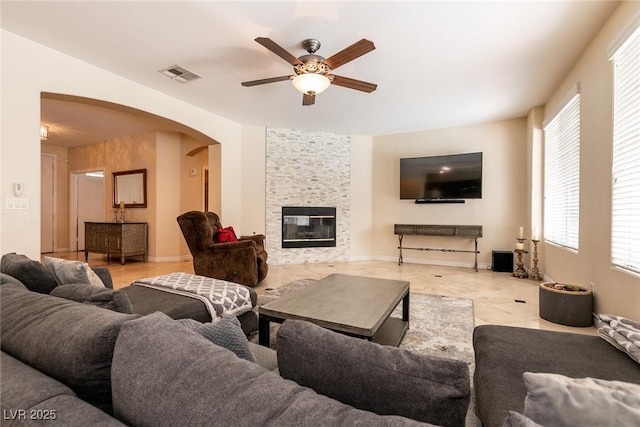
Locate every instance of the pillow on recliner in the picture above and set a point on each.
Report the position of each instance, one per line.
(225, 235)
(381, 379)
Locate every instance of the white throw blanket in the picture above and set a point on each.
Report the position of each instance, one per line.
(622, 333)
(221, 298)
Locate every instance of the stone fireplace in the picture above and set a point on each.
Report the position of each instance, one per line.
(304, 170)
(308, 227)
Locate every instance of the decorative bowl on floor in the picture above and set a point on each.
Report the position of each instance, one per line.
(568, 305)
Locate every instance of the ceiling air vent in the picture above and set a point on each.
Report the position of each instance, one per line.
(180, 74)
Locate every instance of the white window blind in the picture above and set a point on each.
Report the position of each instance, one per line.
(625, 203)
(562, 175)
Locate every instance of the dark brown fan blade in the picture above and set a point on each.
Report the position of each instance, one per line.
(354, 84)
(278, 50)
(350, 53)
(265, 81)
(308, 99)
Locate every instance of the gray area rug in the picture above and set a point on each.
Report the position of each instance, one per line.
(438, 326)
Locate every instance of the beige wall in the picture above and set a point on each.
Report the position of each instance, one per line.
(215, 178)
(23, 79)
(192, 169)
(616, 291)
(252, 182)
(361, 221)
(164, 234)
(501, 210)
(535, 141)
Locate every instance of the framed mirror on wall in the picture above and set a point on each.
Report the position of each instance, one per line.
(130, 188)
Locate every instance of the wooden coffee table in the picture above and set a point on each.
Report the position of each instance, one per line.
(353, 305)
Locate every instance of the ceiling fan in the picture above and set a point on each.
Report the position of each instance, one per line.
(313, 72)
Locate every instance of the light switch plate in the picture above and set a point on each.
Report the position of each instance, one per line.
(14, 203)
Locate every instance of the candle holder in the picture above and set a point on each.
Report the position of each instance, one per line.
(535, 273)
(122, 215)
(519, 250)
(115, 215)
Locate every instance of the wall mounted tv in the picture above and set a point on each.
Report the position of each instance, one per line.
(441, 179)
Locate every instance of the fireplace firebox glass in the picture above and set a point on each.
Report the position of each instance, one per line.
(304, 227)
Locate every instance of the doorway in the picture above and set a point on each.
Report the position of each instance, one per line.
(47, 213)
(86, 204)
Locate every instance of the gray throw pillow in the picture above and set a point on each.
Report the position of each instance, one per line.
(68, 272)
(32, 274)
(225, 332)
(381, 379)
(94, 295)
(557, 400)
(515, 419)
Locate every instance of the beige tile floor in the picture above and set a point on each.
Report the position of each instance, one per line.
(493, 293)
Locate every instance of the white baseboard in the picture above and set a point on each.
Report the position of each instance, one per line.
(360, 258)
(543, 277)
(444, 263)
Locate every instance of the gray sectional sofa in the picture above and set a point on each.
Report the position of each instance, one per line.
(74, 363)
(503, 354)
(138, 299)
(85, 363)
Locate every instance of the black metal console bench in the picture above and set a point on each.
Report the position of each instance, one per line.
(472, 231)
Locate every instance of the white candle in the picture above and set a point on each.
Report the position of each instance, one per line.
(519, 246)
(536, 233)
(521, 233)
(121, 205)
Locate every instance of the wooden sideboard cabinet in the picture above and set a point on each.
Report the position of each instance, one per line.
(115, 239)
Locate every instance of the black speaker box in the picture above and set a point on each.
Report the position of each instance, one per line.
(502, 261)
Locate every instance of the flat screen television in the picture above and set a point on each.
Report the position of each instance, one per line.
(452, 177)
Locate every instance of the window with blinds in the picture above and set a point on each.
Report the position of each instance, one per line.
(562, 174)
(625, 203)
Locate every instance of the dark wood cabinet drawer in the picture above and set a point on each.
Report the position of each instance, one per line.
(116, 239)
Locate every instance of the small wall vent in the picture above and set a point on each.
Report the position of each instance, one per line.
(180, 74)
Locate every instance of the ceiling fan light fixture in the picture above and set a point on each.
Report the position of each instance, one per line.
(311, 84)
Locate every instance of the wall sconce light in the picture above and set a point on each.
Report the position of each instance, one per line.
(44, 132)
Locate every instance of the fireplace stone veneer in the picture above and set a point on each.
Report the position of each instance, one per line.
(306, 169)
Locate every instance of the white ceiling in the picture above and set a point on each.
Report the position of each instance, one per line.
(437, 64)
